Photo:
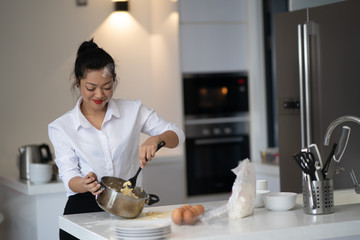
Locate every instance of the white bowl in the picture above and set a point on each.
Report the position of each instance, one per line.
(261, 184)
(40, 172)
(279, 201)
(259, 198)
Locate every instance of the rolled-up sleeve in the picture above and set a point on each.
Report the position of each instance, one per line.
(155, 125)
(65, 158)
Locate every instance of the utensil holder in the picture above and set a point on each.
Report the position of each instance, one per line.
(322, 195)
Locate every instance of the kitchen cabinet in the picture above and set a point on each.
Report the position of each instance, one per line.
(263, 224)
(211, 11)
(226, 36)
(268, 172)
(213, 35)
(165, 176)
(30, 211)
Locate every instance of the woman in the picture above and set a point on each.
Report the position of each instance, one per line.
(100, 136)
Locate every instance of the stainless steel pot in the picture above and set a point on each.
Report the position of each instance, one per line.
(114, 202)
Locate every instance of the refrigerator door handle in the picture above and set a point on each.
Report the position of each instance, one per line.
(304, 83)
(301, 84)
(307, 82)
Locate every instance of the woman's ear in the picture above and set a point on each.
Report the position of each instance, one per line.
(77, 81)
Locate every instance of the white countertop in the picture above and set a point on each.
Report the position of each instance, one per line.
(26, 187)
(263, 224)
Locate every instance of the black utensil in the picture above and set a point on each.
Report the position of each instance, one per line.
(304, 161)
(311, 164)
(134, 178)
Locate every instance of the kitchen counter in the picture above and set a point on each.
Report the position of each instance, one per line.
(26, 187)
(9, 177)
(263, 224)
(9, 174)
(30, 211)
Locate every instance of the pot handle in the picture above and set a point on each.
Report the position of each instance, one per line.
(151, 199)
(102, 188)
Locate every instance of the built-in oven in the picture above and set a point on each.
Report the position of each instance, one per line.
(213, 148)
(209, 95)
(216, 128)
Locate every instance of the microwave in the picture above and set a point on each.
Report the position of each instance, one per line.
(208, 95)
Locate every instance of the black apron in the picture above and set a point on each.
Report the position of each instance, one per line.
(79, 203)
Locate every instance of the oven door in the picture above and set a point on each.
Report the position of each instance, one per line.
(211, 95)
(209, 162)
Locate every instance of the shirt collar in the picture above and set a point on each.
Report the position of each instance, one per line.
(81, 121)
(112, 110)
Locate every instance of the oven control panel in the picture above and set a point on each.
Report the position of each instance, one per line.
(216, 129)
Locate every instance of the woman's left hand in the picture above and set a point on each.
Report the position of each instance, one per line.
(147, 150)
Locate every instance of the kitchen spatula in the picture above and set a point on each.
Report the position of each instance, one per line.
(134, 178)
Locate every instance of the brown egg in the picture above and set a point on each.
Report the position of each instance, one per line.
(189, 216)
(177, 216)
(194, 210)
(200, 209)
(187, 206)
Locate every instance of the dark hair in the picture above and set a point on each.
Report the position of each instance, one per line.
(91, 57)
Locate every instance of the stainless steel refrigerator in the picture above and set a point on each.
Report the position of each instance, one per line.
(318, 80)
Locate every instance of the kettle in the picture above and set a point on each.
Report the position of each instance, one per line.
(32, 154)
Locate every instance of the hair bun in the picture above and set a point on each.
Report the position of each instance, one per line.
(86, 46)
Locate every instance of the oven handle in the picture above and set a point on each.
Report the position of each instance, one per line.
(219, 140)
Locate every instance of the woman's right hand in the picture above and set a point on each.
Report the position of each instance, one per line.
(91, 184)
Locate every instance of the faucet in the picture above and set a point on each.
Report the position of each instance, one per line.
(336, 122)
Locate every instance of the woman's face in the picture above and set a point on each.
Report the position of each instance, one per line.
(96, 89)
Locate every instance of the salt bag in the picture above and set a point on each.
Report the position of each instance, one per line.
(242, 200)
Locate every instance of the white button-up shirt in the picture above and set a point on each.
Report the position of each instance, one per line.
(80, 148)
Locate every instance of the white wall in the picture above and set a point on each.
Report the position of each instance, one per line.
(38, 44)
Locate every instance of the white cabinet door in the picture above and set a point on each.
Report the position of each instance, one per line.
(212, 11)
(214, 47)
(166, 179)
(213, 35)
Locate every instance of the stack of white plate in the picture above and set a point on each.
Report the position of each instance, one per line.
(143, 230)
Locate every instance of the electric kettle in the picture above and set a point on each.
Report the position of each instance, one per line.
(32, 154)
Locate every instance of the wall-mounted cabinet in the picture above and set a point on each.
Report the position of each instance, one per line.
(213, 35)
(213, 11)
(227, 36)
